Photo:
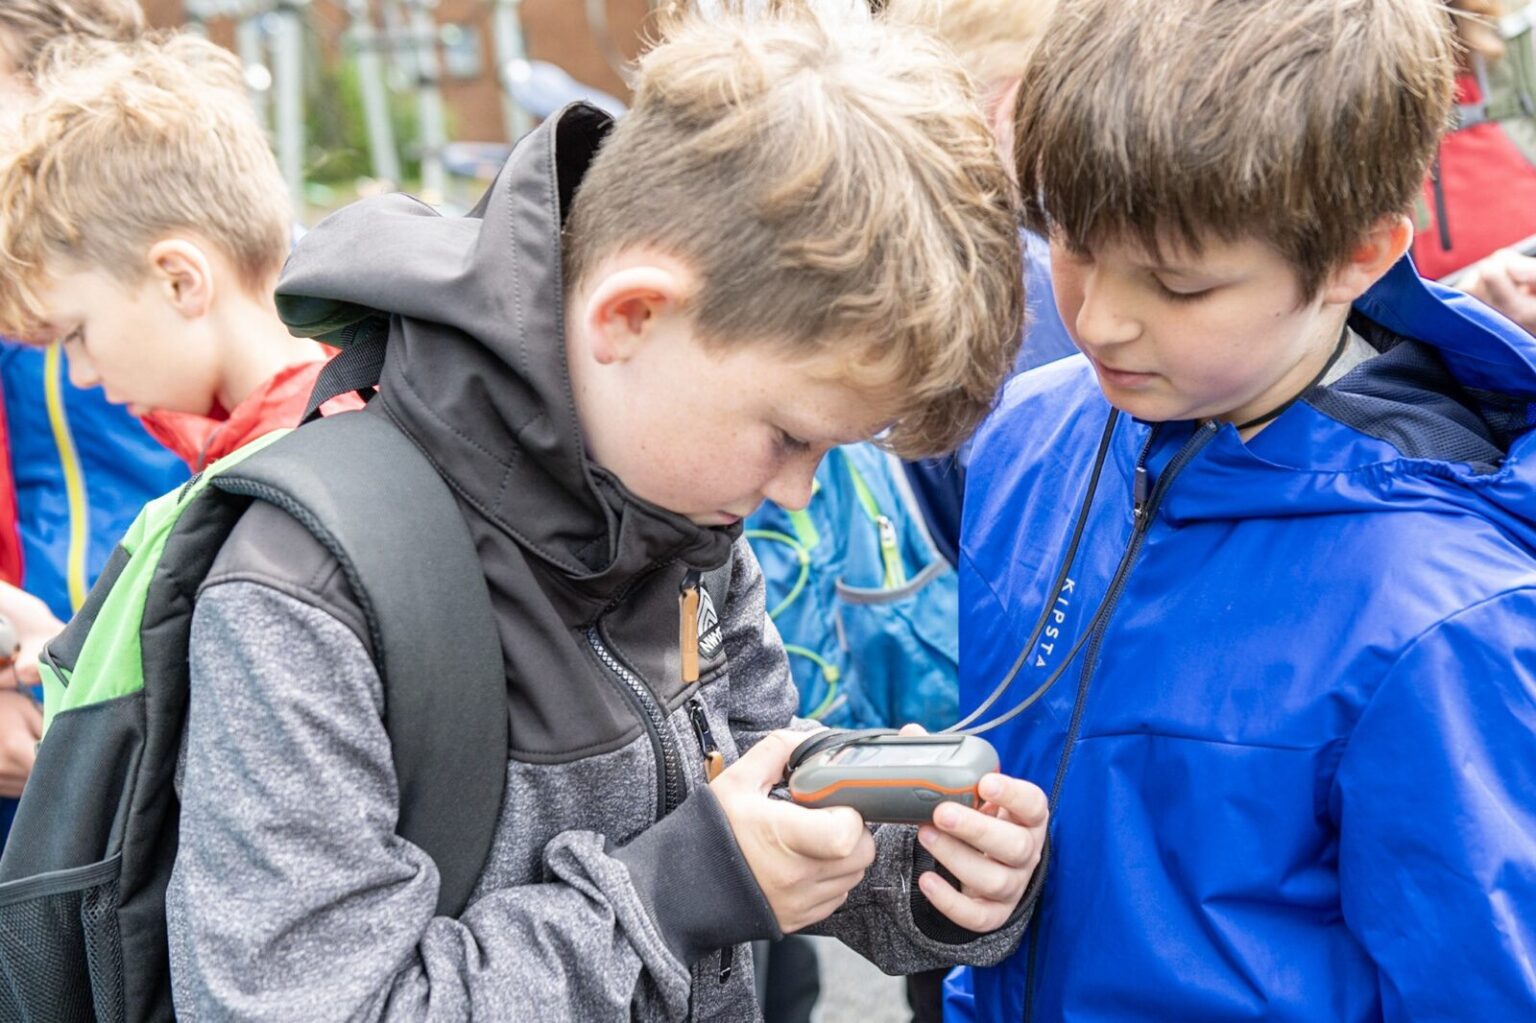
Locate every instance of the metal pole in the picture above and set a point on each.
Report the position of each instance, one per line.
(249, 47)
(288, 77)
(511, 52)
(370, 80)
(429, 97)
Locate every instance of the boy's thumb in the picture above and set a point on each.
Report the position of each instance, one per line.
(763, 765)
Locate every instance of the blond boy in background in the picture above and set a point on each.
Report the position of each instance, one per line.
(74, 469)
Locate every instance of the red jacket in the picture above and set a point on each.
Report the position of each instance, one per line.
(10, 534)
(277, 404)
(1489, 186)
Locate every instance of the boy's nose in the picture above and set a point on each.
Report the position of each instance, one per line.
(791, 488)
(82, 374)
(1103, 321)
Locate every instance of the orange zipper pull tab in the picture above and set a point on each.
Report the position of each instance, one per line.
(688, 626)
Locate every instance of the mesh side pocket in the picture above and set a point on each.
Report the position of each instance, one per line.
(61, 958)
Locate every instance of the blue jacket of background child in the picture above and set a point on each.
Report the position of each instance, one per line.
(865, 603)
(1294, 767)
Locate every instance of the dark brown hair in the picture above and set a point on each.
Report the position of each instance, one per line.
(1299, 122)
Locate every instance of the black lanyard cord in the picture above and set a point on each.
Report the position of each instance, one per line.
(1061, 576)
(1275, 413)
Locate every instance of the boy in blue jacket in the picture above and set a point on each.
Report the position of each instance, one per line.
(1260, 562)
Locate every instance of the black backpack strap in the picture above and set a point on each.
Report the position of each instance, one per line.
(372, 499)
(357, 368)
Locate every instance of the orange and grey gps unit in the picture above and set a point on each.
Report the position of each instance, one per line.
(890, 779)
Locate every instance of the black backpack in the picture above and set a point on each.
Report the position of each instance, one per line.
(83, 878)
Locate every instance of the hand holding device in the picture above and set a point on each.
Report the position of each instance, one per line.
(806, 861)
(986, 828)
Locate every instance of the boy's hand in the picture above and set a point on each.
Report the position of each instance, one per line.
(21, 726)
(1505, 280)
(806, 861)
(992, 851)
(35, 625)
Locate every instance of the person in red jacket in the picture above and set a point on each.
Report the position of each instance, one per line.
(158, 293)
(1479, 206)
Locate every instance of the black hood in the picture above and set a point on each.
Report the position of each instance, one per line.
(475, 371)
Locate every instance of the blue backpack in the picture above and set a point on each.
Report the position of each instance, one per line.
(867, 608)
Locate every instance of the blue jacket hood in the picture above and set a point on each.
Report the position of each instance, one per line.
(1447, 420)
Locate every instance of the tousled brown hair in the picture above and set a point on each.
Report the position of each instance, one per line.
(833, 184)
(1299, 122)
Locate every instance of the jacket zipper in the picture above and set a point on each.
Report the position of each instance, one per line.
(77, 495)
(714, 763)
(714, 760)
(668, 778)
(1145, 499)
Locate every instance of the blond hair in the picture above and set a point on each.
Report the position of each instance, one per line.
(834, 186)
(29, 27)
(1300, 122)
(993, 38)
(127, 144)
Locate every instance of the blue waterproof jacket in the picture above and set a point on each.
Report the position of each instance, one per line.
(1293, 761)
(83, 468)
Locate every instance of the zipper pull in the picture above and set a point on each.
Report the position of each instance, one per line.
(727, 956)
(714, 760)
(1140, 491)
(688, 626)
(890, 554)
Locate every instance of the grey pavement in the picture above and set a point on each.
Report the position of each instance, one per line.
(853, 991)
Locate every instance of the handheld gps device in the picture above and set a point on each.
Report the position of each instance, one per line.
(889, 778)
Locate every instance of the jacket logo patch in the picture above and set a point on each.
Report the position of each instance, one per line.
(1052, 633)
(710, 636)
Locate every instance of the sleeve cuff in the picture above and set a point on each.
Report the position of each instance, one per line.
(694, 882)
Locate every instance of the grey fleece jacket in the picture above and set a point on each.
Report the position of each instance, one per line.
(293, 898)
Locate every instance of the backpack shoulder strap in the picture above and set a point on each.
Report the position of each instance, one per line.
(375, 502)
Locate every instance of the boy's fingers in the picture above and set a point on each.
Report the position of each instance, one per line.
(1003, 840)
(1024, 801)
(1521, 269)
(834, 833)
(913, 729)
(963, 910)
(978, 873)
(762, 766)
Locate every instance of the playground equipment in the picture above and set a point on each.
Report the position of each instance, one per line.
(398, 50)
(363, 40)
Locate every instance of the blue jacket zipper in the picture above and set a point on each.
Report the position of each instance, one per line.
(1144, 508)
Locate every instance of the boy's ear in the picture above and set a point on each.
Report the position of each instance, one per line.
(1383, 245)
(624, 305)
(183, 274)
